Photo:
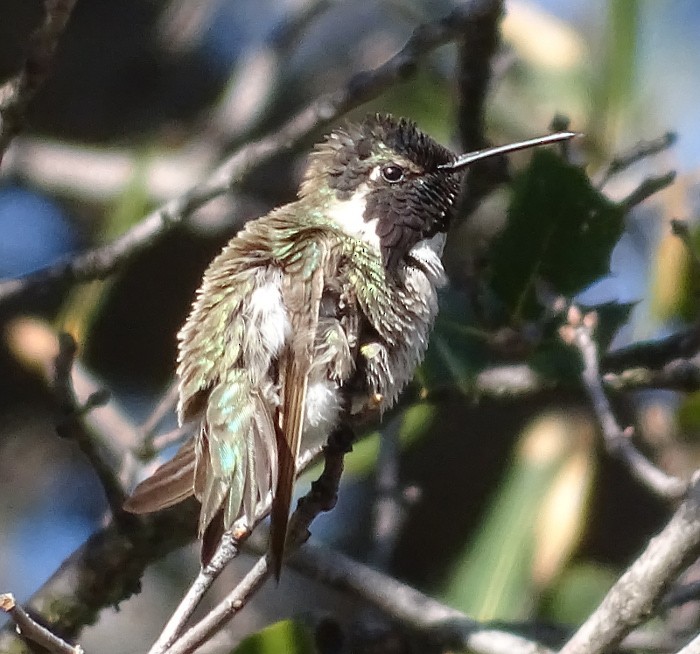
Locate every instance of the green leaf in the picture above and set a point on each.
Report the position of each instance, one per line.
(289, 636)
(493, 576)
(560, 229)
(579, 591)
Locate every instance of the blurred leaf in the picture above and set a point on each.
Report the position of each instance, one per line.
(579, 591)
(288, 636)
(493, 577)
(560, 229)
(564, 506)
(613, 87)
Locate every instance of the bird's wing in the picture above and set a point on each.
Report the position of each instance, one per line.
(168, 485)
(302, 291)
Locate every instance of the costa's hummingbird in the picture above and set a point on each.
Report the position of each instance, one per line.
(313, 315)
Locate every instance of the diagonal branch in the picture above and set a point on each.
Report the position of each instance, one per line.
(72, 425)
(578, 332)
(32, 630)
(103, 260)
(447, 626)
(638, 592)
(228, 549)
(16, 95)
(322, 497)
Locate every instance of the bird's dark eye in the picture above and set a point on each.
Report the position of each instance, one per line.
(392, 173)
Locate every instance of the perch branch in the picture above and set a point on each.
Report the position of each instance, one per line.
(322, 497)
(32, 630)
(16, 95)
(228, 549)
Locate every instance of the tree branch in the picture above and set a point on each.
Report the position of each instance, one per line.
(322, 497)
(227, 550)
(638, 592)
(449, 627)
(72, 426)
(578, 332)
(105, 570)
(16, 95)
(103, 260)
(32, 630)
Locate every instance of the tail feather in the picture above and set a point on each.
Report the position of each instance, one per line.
(170, 483)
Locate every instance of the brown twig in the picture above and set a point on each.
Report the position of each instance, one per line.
(578, 332)
(637, 593)
(646, 189)
(228, 549)
(73, 427)
(16, 95)
(322, 497)
(103, 260)
(637, 152)
(32, 630)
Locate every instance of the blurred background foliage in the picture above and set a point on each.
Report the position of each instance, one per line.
(510, 509)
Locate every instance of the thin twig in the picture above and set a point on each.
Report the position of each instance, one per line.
(406, 605)
(322, 497)
(618, 441)
(637, 593)
(362, 87)
(32, 630)
(16, 95)
(654, 354)
(73, 427)
(637, 152)
(646, 189)
(228, 549)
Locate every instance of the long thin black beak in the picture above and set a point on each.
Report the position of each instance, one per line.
(471, 157)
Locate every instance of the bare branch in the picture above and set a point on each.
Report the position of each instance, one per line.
(646, 189)
(654, 354)
(103, 260)
(636, 153)
(637, 593)
(16, 95)
(105, 570)
(228, 549)
(412, 608)
(32, 630)
(322, 497)
(389, 506)
(578, 332)
(72, 425)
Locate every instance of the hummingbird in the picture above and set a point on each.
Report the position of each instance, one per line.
(313, 316)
